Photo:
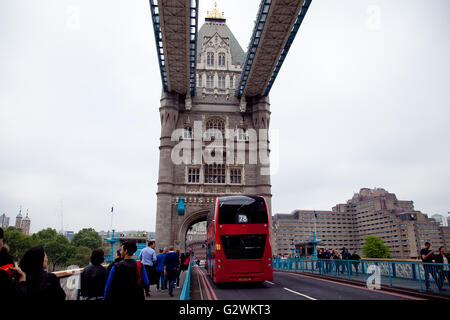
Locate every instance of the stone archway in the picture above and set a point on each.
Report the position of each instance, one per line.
(190, 220)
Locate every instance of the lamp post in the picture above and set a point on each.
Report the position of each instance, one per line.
(315, 240)
(112, 241)
(294, 251)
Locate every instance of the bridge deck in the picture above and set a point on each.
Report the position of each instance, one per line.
(175, 24)
(276, 26)
(285, 286)
(175, 28)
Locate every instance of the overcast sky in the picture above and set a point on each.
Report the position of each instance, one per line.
(362, 100)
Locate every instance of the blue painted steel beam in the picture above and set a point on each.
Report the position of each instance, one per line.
(193, 32)
(289, 42)
(263, 11)
(159, 43)
(254, 43)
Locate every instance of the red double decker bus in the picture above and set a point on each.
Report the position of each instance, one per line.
(238, 240)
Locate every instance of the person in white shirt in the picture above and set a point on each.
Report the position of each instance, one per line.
(148, 259)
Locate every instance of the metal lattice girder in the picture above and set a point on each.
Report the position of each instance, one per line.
(175, 23)
(276, 26)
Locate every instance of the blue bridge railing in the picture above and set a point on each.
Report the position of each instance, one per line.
(430, 277)
(186, 291)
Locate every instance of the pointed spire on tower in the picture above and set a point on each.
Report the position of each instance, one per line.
(26, 218)
(20, 212)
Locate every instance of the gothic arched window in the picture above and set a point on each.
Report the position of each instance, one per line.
(236, 175)
(210, 59)
(221, 59)
(213, 126)
(187, 133)
(222, 82)
(209, 82)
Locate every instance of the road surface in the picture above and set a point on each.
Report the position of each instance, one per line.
(285, 286)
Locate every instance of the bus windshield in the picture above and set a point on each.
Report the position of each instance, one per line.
(242, 210)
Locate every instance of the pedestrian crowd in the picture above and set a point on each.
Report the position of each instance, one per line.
(124, 279)
(342, 266)
(435, 264)
(333, 254)
(439, 272)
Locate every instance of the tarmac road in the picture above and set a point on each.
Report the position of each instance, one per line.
(285, 286)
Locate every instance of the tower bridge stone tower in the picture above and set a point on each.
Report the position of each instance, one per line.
(214, 107)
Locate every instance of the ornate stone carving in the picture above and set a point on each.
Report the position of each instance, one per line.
(188, 103)
(193, 189)
(243, 105)
(237, 189)
(214, 189)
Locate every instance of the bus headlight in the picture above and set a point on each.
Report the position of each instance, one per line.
(219, 266)
(218, 260)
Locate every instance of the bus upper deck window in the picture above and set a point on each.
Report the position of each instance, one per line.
(242, 210)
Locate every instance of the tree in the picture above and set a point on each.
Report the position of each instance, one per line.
(375, 248)
(45, 235)
(87, 237)
(56, 246)
(80, 257)
(18, 242)
(58, 251)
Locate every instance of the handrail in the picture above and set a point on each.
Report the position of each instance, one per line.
(410, 275)
(391, 260)
(186, 291)
(67, 273)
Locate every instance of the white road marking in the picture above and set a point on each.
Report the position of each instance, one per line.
(300, 294)
(270, 282)
(357, 287)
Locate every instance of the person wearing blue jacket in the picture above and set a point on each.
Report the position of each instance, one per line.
(160, 260)
(171, 264)
(128, 278)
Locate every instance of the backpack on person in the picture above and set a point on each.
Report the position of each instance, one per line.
(138, 272)
(7, 268)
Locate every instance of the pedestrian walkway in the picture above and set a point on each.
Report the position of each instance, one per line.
(164, 295)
